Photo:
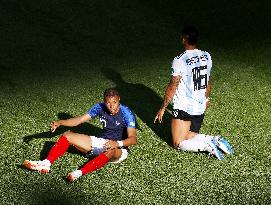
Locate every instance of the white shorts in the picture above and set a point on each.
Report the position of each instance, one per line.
(97, 149)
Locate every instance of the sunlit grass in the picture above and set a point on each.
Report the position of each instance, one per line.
(154, 172)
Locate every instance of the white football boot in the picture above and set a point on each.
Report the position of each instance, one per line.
(40, 166)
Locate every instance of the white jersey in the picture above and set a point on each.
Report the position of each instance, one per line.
(194, 67)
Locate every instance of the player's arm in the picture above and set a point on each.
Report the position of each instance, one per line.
(130, 140)
(70, 122)
(170, 91)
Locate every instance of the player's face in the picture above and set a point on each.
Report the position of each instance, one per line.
(112, 104)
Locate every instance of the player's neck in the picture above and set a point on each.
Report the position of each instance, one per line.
(190, 47)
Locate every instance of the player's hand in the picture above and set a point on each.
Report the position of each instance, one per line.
(110, 144)
(55, 125)
(159, 115)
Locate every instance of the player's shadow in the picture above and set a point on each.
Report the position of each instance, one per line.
(84, 128)
(144, 102)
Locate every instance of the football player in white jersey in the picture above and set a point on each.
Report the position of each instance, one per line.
(190, 88)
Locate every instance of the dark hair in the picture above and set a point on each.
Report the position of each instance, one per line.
(111, 92)
(191, 34)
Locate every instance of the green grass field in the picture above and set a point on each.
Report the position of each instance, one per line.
(57, 57)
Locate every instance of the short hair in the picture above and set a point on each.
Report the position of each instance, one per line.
(110, 92)
(191, 34)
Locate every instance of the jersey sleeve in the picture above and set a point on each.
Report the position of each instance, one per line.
(176, 68)
(129, 118)
(95, 110)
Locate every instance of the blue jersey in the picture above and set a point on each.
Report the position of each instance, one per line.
(114, 126)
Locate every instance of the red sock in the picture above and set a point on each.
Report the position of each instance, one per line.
(58, 149)
(95, 164)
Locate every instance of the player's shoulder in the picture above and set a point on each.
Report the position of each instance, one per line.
(99, 105)
(96, 110)
(178, 57)
(128, 116)
(126, 110)
(204, 52)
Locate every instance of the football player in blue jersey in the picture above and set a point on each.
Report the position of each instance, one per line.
(190, 88)
(118, 134)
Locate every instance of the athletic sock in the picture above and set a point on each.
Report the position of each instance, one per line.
(95, 164)
(192, 145)
(203, 137)
(46, 162)
(60, 147)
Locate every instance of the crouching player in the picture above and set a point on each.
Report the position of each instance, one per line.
(190, 88)
(111, 146)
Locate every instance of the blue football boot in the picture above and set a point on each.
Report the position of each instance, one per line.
(223, 144)
(213, 149)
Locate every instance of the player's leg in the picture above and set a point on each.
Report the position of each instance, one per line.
(187, 140)
(103, 157)
(219, 141)
(185, 129)
(191, 140)
(57, 150)
(180, 131)
(196, 122)
(81, 142)
(205, 142)
(190, 143)
(200, 144)
(119, 157)
(115, 154)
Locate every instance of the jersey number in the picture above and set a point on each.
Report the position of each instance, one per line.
(103, 122)
(200, 81)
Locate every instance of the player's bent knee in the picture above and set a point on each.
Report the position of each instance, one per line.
(111, 153)
(68, 134)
